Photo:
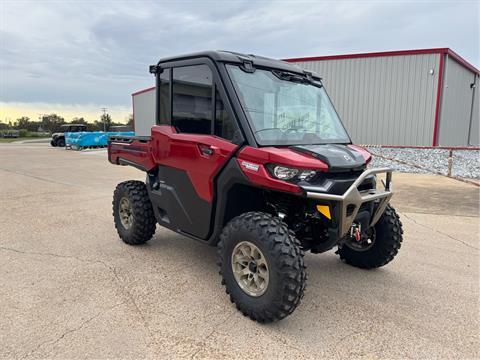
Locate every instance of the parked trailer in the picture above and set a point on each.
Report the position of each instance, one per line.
(11, 134)
(91, 140)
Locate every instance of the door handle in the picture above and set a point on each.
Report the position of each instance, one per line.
(207, 150)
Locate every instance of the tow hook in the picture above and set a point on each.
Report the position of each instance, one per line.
(355, 232)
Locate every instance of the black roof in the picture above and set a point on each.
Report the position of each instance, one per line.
(237, 58)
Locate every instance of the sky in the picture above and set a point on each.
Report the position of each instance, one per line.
(75, 57)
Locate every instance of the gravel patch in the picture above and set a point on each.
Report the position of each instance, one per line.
(466, 163)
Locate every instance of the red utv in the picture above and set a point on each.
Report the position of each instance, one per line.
(249, 155)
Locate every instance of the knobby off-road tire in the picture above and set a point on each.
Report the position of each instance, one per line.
(388, 239)
(53, 142)
(61, 142)
(138, 224)
(283, 257)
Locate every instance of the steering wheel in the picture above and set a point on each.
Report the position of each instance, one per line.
(296, 129)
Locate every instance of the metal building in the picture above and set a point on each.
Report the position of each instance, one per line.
(413, 98)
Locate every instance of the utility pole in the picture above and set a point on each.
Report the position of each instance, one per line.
(104, 113)
(40, 118)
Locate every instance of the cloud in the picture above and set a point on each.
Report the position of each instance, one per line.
(98, 52)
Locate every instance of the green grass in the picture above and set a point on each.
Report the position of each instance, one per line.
(9, 140)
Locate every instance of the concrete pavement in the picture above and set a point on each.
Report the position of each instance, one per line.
(71, 289)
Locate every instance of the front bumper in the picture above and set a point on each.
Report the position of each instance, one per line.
(349, 203)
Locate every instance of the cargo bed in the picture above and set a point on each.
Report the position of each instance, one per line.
(131, 150)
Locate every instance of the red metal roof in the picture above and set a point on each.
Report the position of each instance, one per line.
(143, 91)
(448, 51)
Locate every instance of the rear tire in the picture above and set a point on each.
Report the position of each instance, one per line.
(61, 142)
(133, 213)
(53, 143)
(282, 257)
(388, 239)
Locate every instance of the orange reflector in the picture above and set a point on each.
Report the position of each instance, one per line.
(325, 211)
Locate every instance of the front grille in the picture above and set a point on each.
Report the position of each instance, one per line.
(338, 183)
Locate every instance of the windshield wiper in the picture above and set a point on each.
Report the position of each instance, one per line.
(268, 129)
(287, 76)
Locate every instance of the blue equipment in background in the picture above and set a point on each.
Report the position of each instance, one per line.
(95, 139)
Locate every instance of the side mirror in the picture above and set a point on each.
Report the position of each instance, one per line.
(153, 69)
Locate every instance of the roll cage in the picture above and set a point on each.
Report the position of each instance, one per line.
(216, 61)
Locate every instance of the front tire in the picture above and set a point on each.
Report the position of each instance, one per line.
(61, 142)
(259, 246)
(388, 239)
(133, 213)
(53, 142)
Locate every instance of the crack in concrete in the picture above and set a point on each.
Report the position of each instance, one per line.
(440, 232)
(41, 178)
(351, 334)
(53, 343)
(130, 296)
(49, 254)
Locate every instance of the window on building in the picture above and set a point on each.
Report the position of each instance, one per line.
(192, 99)
(165, 97)
(225, 126)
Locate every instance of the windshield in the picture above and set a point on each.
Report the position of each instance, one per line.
(286, 109)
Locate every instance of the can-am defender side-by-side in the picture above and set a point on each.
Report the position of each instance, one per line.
(249, 155)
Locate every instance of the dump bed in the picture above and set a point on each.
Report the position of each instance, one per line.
(131, 150)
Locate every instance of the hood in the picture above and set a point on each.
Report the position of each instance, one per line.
(338, 157)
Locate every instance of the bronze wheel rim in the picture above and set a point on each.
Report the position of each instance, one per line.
(125, 212)
(250, 268)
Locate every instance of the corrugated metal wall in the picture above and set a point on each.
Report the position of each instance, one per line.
(144, 112)
(383, 100)
(475, 126)
(456, 109)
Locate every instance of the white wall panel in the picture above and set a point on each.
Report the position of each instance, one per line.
(144, 112)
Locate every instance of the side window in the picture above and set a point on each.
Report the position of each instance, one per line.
(192, 99)
(165, 97)
(225, 126)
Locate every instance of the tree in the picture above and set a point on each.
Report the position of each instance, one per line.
(130, 120)
(90, 126)
(79, 120)
(22, 123)
(106, 121)
(52, 122)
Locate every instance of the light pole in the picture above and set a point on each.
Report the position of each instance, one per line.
(104, 113)
(40, 118)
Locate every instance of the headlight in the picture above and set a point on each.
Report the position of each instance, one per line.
(307, 175)
(286, 173)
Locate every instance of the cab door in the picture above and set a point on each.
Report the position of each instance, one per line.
(196, 137)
